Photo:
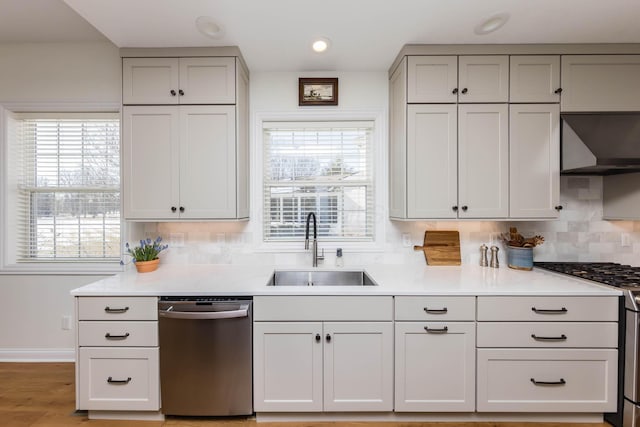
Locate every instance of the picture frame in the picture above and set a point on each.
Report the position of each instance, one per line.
(317, 91)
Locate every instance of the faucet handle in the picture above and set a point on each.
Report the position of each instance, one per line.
(321, 257)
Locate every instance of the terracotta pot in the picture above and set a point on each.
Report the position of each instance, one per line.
(147, 266)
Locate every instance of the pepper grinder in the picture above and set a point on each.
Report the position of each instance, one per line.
(494, 257)
(483, 256)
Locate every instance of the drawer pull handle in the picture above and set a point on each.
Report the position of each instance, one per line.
(562, 337)
(118, 382)
(561, 382)
(108, 309)
(436, 330)
(549, 311)
(435, 310)
(116, 337)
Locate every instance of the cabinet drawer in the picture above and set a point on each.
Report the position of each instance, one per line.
(435, 308)
(322, 308)
(118, 334)
(547, 334)
(537, 380)
(548, 309)
(120, 379)
(117, 308)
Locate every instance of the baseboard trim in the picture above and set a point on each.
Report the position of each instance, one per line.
(37, 355)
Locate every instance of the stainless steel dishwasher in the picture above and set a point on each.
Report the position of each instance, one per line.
(205, 356)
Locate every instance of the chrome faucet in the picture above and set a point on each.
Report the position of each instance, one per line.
(314, 244)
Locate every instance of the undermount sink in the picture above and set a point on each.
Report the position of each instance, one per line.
(320, 278)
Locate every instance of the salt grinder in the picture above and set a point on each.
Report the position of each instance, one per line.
(494, 257)
(483, 256)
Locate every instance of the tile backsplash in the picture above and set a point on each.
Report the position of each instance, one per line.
(579, 234)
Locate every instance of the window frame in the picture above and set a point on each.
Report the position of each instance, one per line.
(9, 265)
(380, 190)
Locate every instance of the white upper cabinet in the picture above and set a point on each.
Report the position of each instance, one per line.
(534, 171)
(432, 79)
(534, 78)
(205, 80)
(483, 78)
(600, 83)
(398, 142)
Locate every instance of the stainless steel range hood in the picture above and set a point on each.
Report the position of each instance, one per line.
(600, 143)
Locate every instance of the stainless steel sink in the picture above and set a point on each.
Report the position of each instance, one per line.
(320, 278)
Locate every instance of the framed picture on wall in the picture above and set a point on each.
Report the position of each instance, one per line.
(318, 91)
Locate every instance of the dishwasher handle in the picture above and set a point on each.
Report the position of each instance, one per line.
(206, 315)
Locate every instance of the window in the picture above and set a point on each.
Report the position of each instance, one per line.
(64, 187)
(320, 167)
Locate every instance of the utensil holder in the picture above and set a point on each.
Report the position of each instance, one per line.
(520, 258)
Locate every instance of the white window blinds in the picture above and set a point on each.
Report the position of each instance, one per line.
(68, 187)
(320, 167)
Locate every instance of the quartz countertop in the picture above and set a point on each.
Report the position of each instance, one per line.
(251, 280)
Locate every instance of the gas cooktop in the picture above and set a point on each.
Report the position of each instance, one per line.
(609, 273)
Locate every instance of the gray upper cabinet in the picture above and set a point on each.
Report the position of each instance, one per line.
(600, 83)
(483, 78)
(534, 78)
(432, 79)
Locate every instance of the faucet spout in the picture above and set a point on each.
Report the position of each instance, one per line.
(314, 248)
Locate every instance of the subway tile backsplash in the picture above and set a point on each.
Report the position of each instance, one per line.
(579, 234)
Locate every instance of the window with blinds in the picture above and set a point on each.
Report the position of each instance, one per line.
(320, 167)
(68, 187)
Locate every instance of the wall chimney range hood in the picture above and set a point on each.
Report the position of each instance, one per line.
(600, 143)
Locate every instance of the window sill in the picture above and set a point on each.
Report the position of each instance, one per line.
(63, 269)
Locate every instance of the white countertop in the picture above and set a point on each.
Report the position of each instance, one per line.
(244, 280)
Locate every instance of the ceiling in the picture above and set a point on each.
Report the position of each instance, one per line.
(275, 35)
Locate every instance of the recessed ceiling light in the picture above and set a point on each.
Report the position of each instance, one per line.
(207, 26)
(491, 24)
(320, 45)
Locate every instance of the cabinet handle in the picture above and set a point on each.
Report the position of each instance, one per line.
(454, 208)
(173, 209)
(558, 91)
(436, 330)
(181, 208)
(549, 311)
(172, 92)
(328, 338)
(181, 92)
(108, 309)
(464, 208)
(318, 338)
(455, 90)
(116, 337)
(561, 382)
(435, 310)
(465, 90)
(118, 382)
(558, 208)
(562, 337)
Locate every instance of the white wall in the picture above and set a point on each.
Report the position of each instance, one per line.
(49, 73)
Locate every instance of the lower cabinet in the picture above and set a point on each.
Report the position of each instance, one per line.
(435, 367)
(323, 366)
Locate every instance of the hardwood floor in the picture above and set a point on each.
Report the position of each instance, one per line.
(43, 394)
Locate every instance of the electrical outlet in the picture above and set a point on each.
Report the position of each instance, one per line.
(66, 323)
(625, 240)
(406, 240)
(176, 240)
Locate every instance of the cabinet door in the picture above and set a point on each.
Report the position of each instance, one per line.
(358, 366)
(287, 367)
(243, 173)
(600, 83)
(207, 162)
(432, 79)
(207, 80)
(435, 371)
(431, 161)
(483, 168)
(534, 78)
(398, 142)
(534, 161)
(150, 162)
(483, 78)
(150, 81)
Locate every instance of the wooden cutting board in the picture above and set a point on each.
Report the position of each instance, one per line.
(441, 247)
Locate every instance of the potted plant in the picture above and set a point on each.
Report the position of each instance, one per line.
(145, 256)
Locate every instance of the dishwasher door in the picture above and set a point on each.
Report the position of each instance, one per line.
(205, 356)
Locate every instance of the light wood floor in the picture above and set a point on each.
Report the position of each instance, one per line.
(42, 395)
